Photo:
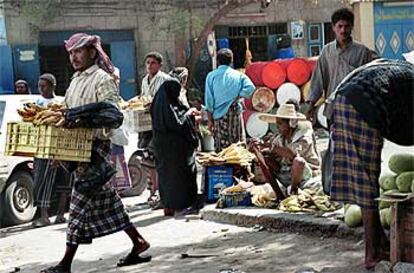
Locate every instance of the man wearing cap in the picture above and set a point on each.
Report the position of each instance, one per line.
(49, 178)
(149, 87)
(154, 77)
(47, 86)
(22, 88)
(294, 148)
(98, 212)
(224, 87)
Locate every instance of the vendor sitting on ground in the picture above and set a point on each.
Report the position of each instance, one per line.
(294, 149)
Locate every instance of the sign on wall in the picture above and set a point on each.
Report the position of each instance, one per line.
(297, 28)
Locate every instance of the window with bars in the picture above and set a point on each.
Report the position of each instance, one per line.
(278, 28)
(250, 31)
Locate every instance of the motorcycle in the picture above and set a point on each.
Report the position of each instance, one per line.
(143, 174)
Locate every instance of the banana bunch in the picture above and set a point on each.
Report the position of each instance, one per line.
(237, 154)
(47, 117)
(29, 111)
(137, 103)
(233, 189)
(40, 115)
(206, 159)
(307, 200)
(234, 154)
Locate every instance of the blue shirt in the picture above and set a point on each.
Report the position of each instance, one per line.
(223, 86)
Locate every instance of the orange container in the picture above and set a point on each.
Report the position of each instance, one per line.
(254, 72)
(298, 71)
(274, 74)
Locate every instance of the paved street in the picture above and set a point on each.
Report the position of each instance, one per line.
(24, 249)
(246, 249)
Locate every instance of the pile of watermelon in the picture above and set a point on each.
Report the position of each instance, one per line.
(400, 181)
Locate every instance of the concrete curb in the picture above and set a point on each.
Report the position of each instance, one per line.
(278, 221)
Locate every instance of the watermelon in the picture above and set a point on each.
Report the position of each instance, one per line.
(387, 182)
(385, 217)
(384, 204)
(404, 181)
(400, 163)
(353, 216)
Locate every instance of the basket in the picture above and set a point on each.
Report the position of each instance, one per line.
(48, 142)
(137, 121)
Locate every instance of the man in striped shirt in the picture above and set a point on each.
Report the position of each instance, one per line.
(99, 211)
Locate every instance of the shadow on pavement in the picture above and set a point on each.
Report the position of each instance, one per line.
(249, 251)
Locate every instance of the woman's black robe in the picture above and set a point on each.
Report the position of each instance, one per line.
(174, 141)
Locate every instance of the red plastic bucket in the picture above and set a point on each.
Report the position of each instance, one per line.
(273, 75)
(312, 63)
(254, 72)
(246, 114)
(298, 72)
(248, 104)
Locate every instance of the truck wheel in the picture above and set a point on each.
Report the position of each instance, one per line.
(18, 199)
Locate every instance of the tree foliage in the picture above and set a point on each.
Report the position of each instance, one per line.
(39, 13)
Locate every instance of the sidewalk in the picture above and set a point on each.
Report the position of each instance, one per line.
(278, 221)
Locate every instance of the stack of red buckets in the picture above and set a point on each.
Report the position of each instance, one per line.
(279, 80)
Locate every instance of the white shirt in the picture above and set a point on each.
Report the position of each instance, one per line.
(150, 88)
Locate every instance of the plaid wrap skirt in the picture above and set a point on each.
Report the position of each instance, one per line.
(49, 180)
(229, 129)
(356, 157)
(98, 213)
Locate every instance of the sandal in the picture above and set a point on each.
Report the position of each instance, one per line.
(55, 269)
(132, 259)
(40, 223)
(60, 219)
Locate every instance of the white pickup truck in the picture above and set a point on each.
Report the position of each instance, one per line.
(16, 176)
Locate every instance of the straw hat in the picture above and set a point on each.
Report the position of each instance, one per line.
(285, 111)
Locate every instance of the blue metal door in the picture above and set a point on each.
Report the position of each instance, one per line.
(124, 58)
(26, 64)
(393, 29)
(6, 70)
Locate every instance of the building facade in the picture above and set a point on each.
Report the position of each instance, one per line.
(130, 29)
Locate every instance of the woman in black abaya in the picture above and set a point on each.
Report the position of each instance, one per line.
(174, 140)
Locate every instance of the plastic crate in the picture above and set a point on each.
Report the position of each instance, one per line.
(137, 121)
(21, 139)
(49, 142)
(218, 178)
